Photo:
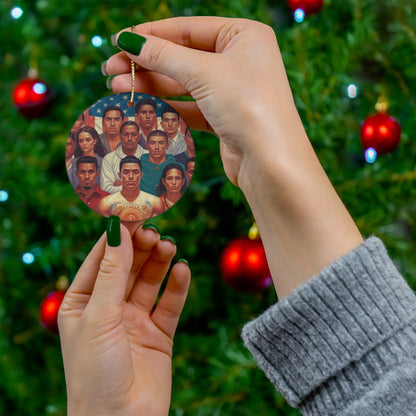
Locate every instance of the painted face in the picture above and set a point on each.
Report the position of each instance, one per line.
(173, 181)
(188, 140)
(146, 117)
(190, 170)
(131, 175)
(112, 123)
(87, 174)
(86, 143)
(157, 146)
(129, 139)
(77, 125)
(69, 148)
(170, 123)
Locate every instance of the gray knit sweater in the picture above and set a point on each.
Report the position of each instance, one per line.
(345, 342)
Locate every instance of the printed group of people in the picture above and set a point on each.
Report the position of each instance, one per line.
(134, 169)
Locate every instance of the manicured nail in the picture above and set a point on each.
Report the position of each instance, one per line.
(131, 42)
(113, 231)
(103, 69)
(168, 238)
(108, 82)
(114, 39)
(150, 227)
(184, 261)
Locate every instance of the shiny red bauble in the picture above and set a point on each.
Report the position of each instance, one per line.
(308, 6)
(244, 266)
(32, 98)
(49, 309)
(381, 132)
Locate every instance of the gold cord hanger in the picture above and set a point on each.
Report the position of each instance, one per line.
(133, 78)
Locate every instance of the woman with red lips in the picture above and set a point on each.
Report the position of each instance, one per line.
(87, 143)
(172, 185)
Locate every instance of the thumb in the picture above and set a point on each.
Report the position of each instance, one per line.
(113, 274)
(180, 63)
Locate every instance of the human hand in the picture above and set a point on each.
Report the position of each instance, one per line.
(117, 350)
(234, 71)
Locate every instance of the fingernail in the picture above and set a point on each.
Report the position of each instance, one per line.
(108, 82)
(184, 261)
(103, 69)
(150, 227)
(113, 231)
(131, 42)
(114, 39)
(168, 238)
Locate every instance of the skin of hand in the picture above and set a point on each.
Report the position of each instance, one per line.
(116, 346)
(234, 71)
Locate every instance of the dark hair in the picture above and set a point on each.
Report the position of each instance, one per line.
(169, 109)
(130, 159)
(87, 159)
(145, 101)
(161, 188)
(129, 123)
(99, 149)
(114, 108)
(191, 159)
(158, 133)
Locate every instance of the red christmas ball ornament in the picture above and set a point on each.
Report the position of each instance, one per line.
(244, 266)
(308, 6)
(380, 132)
(32, 98)
(49, 310)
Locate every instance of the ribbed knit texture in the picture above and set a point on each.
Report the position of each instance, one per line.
(345, 342)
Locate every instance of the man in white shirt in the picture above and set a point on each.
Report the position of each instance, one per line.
(170, 125)
(130, 204)
(110, 167)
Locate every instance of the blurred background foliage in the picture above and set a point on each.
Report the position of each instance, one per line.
(366, 42)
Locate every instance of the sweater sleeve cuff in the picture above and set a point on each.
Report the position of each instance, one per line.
(341, 316)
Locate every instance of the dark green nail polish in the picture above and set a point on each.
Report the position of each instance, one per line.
(150, 227)
(184, 261)
(113, 231)
(169, 238)
(131, 42)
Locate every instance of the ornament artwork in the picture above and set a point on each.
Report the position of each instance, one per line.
(49, 309)
(130, 155)
(380, 132)
(244, 266)
(32, 98)
(307, 6)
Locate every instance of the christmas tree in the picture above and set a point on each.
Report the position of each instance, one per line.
(341, 62)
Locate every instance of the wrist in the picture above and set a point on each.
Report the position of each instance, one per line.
(303, 224)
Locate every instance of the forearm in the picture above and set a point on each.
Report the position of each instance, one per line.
(343, 343)
(303, 223)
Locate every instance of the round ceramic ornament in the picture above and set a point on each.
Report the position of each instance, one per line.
(130, 155)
